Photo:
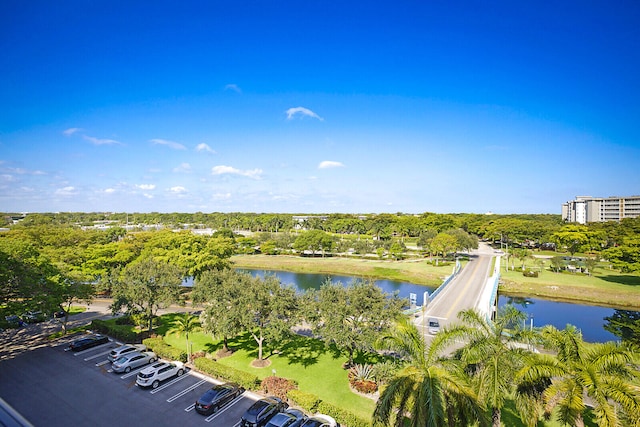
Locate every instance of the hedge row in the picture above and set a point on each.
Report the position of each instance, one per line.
(227, 373)
(121, 333)
(164, 350)
(313, 404)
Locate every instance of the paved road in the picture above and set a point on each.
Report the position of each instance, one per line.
(462, 293)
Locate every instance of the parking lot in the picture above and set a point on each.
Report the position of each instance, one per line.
(51, 386)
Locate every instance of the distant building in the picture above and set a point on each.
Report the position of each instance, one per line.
(586, 209)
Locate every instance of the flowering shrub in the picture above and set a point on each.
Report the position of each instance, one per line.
(277, 386)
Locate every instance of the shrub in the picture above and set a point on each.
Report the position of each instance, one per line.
(278, 386)
(307, 401)
(530, 273)
(226, 373)
(197, 354)
(342, 416)
(124, 320)
(360, 372)
(364, 386)
(164, 350)
(121, 333)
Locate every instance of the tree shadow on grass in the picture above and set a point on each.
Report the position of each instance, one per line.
(305, 351)
(620, 279)
(241, 342)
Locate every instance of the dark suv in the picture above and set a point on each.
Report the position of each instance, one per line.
(261, 412)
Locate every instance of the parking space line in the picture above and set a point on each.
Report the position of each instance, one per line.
(134, 372)
(104, 362)
(233, 402)
(170, 383)
(190, 408)
(95, 356)
(186, 390)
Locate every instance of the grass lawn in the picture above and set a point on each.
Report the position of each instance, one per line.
(316, 367)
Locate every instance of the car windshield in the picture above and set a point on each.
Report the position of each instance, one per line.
(257, 407)
(122, 360)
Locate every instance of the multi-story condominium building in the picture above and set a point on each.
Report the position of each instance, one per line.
(600, 209)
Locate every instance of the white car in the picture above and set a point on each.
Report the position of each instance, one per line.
(151, 376)
(133, 360)
(320, 420)
(116, 353)
(434, 326)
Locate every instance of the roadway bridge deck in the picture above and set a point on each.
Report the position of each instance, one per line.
(475, 286)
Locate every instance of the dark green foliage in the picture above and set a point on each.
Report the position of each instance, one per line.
(530, 273)
(226, 373)
(164, 350)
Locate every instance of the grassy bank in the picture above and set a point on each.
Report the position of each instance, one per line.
(604, 288)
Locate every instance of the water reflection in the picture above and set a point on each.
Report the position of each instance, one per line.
(591, 320)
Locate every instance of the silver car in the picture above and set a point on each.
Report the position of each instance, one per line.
(124, 349)
(133, 360)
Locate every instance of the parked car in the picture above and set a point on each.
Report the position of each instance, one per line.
(132, 360)
(290, 418)
(434, 326)
(217, 397)
(34, 317)
(151, 376)
(320, 420)
(88, 341)
(124, 349)
(262, 411)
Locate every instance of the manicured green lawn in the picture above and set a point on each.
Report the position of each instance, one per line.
(316, 367)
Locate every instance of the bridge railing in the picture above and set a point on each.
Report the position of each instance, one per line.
(447, 280)
(486, 301)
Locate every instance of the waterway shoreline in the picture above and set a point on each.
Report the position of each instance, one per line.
(423, 273)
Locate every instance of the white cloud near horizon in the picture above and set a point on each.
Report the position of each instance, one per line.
(328, 164)
(233, 87)
(229, 170)
(178, 189)
(66, 191)
(293, 112)
(204, 147)
(170, 144)
(146, 186)
(100, 141)
(71, 131)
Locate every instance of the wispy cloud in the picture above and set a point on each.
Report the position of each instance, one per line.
(229, 170)
(178, 189)
(65, 191)
(233, 87)
(170, 144)
(146, 186)
(204, 147)
(110, 190)
(183, 168)
(71, 131)
(100, 141)
(301, 111)
(328, 164)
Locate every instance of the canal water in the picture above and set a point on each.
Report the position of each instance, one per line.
(589, 319)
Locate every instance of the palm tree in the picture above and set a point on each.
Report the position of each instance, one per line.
(431, 390)
(601, 375)
(493, 353)
(185, 324)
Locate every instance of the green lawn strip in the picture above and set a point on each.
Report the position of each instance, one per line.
(316, 369)
(419, 272)
(604, 287)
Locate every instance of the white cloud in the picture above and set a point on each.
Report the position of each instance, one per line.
(110, 190)
(183, 168)
(146, 186)
(71, 131)
(170, 144)
(221, 196)
(229, 170)
(204, 147)
(292, 112)
(233, 87)
(328, 164)
(65, 191)
(178, 189)
(148, 196)
(99, 141)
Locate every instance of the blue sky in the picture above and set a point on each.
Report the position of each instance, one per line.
(317, 106)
